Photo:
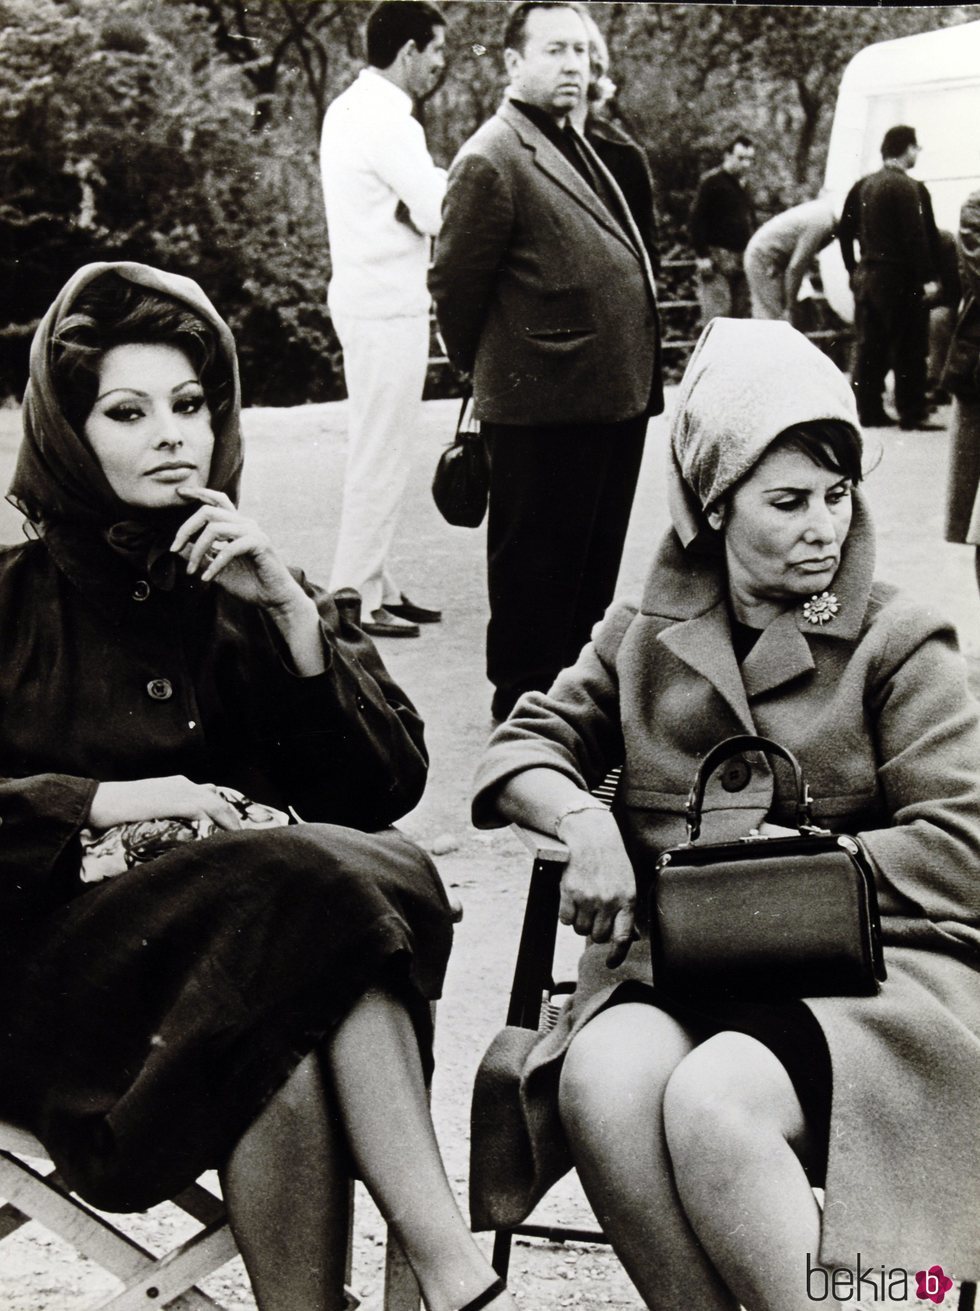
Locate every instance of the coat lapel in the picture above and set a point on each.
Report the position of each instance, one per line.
(552, 162)
(689, 588)
(781, 654)
(705, 644)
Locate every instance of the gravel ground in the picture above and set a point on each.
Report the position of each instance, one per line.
(293, 472)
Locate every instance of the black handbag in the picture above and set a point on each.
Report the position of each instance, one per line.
(764, 918)
(461, 483)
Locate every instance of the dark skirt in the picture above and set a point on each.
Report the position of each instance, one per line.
(149, 1020)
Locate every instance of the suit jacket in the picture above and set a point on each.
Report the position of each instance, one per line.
(541, 292)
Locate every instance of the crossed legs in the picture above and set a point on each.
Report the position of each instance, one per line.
(362, 1097)
(690, 1154)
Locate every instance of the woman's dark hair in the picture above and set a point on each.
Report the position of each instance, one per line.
(113, 311)
(830, 443)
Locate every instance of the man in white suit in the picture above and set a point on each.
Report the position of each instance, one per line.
(383, 197)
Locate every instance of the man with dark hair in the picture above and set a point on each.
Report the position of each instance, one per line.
(383, 198)
(392, 24)
(544, 293)
(890, 215)
(721, 221)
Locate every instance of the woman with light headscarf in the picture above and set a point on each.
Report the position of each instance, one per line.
(188, 981)
(699, 1131)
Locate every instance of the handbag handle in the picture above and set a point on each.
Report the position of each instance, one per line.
(723, 751)
(467, 398)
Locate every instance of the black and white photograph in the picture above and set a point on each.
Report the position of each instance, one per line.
(489, 655)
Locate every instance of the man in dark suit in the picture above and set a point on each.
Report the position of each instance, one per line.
(890, 214)
(544, 293)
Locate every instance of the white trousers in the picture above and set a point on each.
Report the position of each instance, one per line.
(384, 365)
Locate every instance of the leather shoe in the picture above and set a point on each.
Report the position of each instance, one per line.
(418, 614)
(383, 623)
(922, 424)
(881, 420)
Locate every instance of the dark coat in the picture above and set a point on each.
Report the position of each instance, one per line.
(963, 479)
(540, 291)
(96, 684)
(890, 214)
(627, 161)
(875, 707)
(144, 1020)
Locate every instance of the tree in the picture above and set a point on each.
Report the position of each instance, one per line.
(272, 39)
(115, 143)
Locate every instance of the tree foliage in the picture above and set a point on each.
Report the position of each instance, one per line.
(119, 139)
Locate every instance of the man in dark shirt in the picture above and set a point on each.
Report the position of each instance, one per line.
(722, 220)
(544, 292)
(891, 218)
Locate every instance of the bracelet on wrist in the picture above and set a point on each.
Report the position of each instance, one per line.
(577, 808)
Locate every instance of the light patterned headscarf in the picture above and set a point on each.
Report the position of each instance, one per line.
(747, 381)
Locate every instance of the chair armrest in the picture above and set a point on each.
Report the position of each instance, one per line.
(542, 846)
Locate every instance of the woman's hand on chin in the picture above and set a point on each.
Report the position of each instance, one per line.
(175, 797)
(598, 888)
(218, 542)
(221, 545)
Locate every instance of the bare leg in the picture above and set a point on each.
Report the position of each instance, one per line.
(611, 1103)
(286, 1189)
(736, 1133)
(374, 1066)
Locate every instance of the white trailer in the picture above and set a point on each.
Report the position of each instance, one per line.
(930, 81)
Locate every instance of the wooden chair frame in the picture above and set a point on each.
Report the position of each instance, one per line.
(33, 1192)
(532, 987)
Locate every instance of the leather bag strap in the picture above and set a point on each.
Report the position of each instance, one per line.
(732, 746)
(460, 437)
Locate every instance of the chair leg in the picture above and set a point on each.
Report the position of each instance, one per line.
(401, 1286)
(501, 1252)
(532, 972)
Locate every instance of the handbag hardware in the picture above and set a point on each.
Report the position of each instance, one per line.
(764, 918)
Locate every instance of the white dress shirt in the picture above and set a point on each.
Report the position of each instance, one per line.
(373, 155)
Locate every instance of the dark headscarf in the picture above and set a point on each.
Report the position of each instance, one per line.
(58, 483)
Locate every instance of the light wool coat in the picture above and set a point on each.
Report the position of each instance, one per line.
(875, 706)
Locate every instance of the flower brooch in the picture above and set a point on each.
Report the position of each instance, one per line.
(821, 608)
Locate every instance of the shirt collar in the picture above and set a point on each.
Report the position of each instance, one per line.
(375, 82)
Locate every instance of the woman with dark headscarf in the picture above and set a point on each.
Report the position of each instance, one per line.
(699, 1130)
(240, 994)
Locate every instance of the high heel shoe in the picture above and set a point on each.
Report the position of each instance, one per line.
(488, 1295)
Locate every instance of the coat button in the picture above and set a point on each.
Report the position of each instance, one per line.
(160, 689)
(141, 591)
(735, 774)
